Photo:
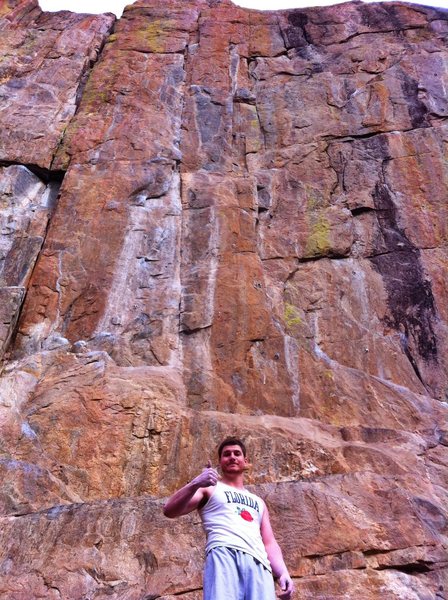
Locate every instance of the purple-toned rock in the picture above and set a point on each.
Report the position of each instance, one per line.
(45, 58)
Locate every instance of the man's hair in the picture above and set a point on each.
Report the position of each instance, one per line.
(231, 441)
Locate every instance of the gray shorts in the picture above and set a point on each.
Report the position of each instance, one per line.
(234, 575)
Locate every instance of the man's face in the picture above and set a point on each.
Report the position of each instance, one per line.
(232, 459)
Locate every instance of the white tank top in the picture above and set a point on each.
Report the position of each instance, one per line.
(232, 518)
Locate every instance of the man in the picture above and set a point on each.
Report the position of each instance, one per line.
(242, 554)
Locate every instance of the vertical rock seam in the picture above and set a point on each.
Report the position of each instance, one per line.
(40, 77)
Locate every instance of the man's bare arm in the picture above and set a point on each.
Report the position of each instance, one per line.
(275, 557)
(189, 497)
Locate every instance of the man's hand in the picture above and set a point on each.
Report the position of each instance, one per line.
(208, 477)
(286, 585)
(191, 496)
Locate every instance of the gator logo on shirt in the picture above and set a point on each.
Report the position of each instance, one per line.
(239, 498)
(244, 514)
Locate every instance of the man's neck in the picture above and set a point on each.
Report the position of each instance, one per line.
(236, 481)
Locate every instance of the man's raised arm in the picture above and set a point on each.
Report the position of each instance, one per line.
(189, 497)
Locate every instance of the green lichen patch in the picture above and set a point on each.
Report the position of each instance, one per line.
(292, 316)
(156, 35)
(315, 200)
(318, 243)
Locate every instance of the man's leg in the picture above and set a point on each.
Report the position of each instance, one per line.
(221, 575)
(259, 583)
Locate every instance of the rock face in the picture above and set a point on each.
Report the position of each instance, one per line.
(220, 221)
